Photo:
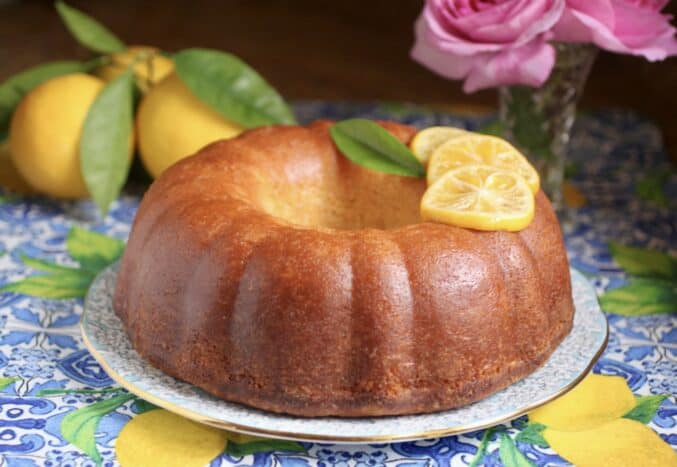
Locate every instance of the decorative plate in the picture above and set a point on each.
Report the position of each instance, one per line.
(105, 337)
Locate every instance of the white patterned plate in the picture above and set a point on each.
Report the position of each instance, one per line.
(572, 360)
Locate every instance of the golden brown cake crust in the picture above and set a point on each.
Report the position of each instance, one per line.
(255, 272)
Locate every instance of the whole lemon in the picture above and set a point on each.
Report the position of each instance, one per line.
(44, 134)
(172, 124)
(151, 67)
(10, 178)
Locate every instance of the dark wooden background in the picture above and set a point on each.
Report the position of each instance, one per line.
(338, 49)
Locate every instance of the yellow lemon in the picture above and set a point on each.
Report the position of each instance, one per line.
(426, 141)
(172, 124)
(474, 148)
(479, 197)
(159, 437)
(596, 400)
(619, 443)
(45, 130)
(151, 67)
(10, 178)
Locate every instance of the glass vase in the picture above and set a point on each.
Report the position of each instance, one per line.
(538, 121)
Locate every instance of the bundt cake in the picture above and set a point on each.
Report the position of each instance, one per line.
(271, 271)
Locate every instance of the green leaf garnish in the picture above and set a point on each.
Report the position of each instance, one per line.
(104, 145)
(87, 31)
(510, 455)
(644, 262)
(14, 88)
(232, 88)
(79, 426)
(367, 144)
(646, 408)
(94, 251)
(641, 297)
(532, 434)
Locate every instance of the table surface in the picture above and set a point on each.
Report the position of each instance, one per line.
(58, 407)
(309, 49)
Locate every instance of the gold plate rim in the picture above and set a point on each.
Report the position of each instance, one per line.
(131, 387)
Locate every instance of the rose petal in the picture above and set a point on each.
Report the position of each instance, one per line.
(530, 65)
(443, 63)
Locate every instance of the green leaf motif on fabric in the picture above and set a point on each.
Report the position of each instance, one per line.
(532, 434)
(61, 392)
(87, 31)
(79, 426)
(263, 445)
(644, 262)
(104, 145)
(646, 408)
(14, 88)
(641, 297)
(141, 406)
(368, 144)
(482, 448)
(652, 287)
(94, 251)
(4, 382)
(58, 286)
(510, 455)
(232, 88)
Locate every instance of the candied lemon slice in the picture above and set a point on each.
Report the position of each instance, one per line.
(426, 141)
(479, 197)
(474, 148)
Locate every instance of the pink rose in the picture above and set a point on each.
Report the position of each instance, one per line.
(488, 43)
(627, 26)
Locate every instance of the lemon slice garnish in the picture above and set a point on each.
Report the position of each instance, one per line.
(473, 148)
(426, 141)
(479, 197)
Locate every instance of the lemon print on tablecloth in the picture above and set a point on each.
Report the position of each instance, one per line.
(598, 424)
(596, 400)
(159, 437)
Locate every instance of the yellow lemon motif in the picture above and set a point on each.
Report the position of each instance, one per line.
(45, 130)
(10, 178)
(596, 400)
(162, 438)
(618, 443)
(173, 124)
(479, 197)
(151, 67)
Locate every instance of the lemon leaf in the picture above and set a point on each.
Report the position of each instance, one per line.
(45, 266)
(62, 285)
(482, 448)
(265, 445)
(646, 408)
(641, 297)
(532, 434)
(94, 251)
(4, 382)
(79, 426)
(510, 455)
(367, 144)
(644, 262)
(232, 88)
(15, 87)
(87, 31)
(104, 145)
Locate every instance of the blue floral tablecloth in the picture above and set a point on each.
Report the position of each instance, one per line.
(620, 230)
